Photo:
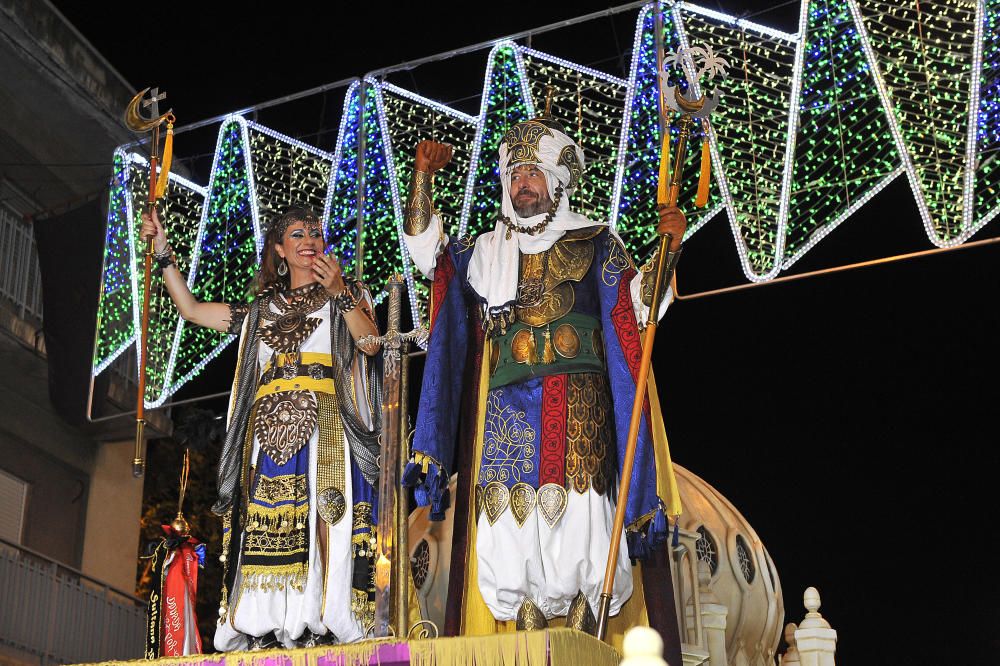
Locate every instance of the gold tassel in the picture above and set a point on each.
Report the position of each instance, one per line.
(168, 156)
(663, 182)
(701, 200)
(532, 351)
(548, 352)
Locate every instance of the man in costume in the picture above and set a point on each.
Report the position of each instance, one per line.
(533, 352)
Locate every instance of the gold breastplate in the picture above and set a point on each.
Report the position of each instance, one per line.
(544, 292)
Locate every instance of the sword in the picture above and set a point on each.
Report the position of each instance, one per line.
(391, 552)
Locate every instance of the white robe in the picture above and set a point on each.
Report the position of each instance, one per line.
(289, 612)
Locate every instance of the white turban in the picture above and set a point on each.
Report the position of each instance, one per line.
(493, 270)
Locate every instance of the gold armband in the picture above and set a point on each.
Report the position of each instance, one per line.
(418, 207)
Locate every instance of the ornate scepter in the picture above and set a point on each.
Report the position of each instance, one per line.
(691, 107)
(391, 553)
(139, 123)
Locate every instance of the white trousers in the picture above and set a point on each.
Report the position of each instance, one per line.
(551, 565)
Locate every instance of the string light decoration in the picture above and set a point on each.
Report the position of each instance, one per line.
(589, 105)
(341, 208)
(928, 77)
(844, 153)
(378, 238)
(287, 173)
(409, 119)
(115, 327)
(122, 290)
(812, 126)
(506, 100)
(753, 126)
(988, 138)
(224, 253)
(182, 206)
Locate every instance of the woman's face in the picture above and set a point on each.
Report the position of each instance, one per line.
(299, 246)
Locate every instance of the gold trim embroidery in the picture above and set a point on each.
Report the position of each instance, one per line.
(522, 142)
(418, 208)
(588, 432)
(616, 262)
(544, 292)
(330, 466)
(282, 488)
(569, 158)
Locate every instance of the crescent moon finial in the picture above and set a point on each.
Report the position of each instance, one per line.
(135, 120)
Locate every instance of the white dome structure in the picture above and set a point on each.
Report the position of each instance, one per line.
(737, 574)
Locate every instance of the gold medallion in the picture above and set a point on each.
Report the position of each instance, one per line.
(597, 340)
(552, 502)
(331, 505)
(566, 341)
(522, 502)
(284, 423)
(495, 498)
(529, 292)
(521, 345)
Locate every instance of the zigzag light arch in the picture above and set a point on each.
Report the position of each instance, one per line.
(830, 113)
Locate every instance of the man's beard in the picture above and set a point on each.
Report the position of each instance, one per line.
(531, 208)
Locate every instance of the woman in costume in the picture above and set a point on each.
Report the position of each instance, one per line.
(299, 468)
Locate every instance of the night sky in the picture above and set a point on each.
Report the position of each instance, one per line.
(850, 417)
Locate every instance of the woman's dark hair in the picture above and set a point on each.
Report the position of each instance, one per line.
(267, 276)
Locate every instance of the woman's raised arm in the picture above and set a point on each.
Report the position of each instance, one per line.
(217, 316)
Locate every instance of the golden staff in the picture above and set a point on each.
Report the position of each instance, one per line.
(691, 106)
(136, 122)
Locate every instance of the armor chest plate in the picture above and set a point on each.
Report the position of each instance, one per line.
(544, 292)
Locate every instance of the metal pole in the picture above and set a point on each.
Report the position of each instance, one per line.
(836, 269)
(359, 254)
(658, 45)
(412, 64)
(138, 464)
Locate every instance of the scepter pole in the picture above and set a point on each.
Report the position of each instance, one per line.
(138, 464)
(136, 122)
(649, 335)
(690, 105)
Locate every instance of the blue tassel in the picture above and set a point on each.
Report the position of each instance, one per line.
(428, 489)
(636, 543)
(411, 475)
(659, 528)
(677, 533)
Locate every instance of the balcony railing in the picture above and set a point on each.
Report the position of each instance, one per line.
(20, 279)
(61, 616)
